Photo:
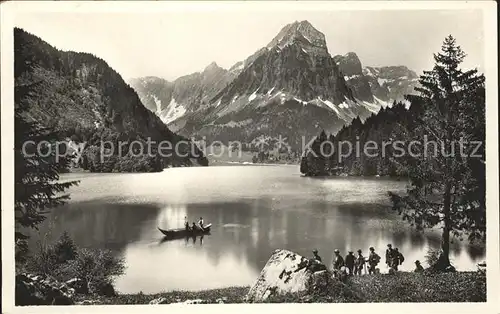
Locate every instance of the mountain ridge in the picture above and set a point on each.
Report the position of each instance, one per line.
(294, 69)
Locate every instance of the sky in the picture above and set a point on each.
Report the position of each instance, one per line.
(172, 44)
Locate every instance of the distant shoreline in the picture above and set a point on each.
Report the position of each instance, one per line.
(249, 163)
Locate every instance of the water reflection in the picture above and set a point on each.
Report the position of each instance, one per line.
(187, 239)
(249, 222)
(97, 224)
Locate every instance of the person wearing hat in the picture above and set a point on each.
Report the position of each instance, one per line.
(359, 263)
(373, 260)
(349, 262)
(398, 258)
(389, 256)
(316, 256)
(418, 267)
(338, 261)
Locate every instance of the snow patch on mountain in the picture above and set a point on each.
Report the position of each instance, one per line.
(283, 98)
(371, 71)
(157, 103)
(300, 101)
(379, 103)
(254, 94)
(343, 105)
(173, 112)
(233, 124)
(381, 81)
(347, 78)
(330, 105)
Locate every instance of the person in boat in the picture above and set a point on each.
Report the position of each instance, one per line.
(418, 267)
(186, 223)
(200, 223)
(373, 260)
(349, 262)
(194, 227)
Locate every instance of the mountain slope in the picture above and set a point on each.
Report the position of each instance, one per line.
(172, 100)
(291, 87)
(350, 67)
(391, 83)
(78, 93)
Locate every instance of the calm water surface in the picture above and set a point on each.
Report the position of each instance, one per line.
(254, 210)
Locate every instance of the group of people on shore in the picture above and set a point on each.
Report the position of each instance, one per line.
(194, 226)
(359, 264)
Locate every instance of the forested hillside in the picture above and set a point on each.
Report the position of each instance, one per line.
(387, 125)
(85, 100)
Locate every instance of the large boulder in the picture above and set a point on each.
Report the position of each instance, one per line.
(42, 290)
(288, 272)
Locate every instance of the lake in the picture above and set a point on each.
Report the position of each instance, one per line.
(254, 210)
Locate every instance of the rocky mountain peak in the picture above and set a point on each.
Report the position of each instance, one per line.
(212, 67)
(391, 82)
(299, 32)
(349, 64)
(391, 72)
(291, 87)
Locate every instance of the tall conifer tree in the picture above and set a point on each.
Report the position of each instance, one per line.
(448, 188)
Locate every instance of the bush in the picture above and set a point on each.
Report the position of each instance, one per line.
(97, 268)
(432, 257)
(64, 261)
(43, 260)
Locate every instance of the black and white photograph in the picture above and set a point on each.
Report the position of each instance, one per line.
(167, 153)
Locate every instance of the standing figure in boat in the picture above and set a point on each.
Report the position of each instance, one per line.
(186, 223)
(200, 223)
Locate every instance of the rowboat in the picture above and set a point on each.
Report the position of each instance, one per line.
(183, 233)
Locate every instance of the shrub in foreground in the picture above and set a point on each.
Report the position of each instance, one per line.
(97, 268)
(94, 268)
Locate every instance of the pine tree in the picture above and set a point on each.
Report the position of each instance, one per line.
(65, 248)
(37, 170)
(448, 188)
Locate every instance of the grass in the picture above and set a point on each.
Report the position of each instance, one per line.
(411, 287)
(229, 295)
(400, 287)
